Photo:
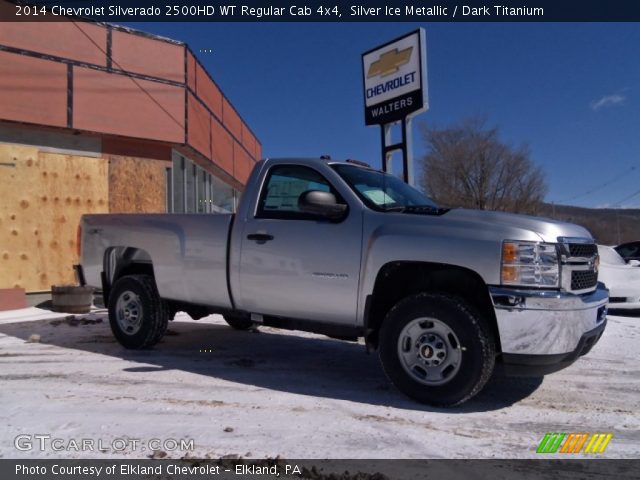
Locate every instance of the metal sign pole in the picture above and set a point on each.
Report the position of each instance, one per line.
(405, 146)
(394, 77)
(407, 152)
(387, 148)
(385, 137)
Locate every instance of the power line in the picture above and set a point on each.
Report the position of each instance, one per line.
(133, 79)
(629, 197)
(600, 186)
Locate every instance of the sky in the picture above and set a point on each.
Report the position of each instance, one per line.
(570, 91)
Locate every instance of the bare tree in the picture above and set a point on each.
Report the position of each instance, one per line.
(467, 165)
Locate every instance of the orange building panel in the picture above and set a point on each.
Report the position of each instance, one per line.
(231, 119)
(191, 71)
(12, 299)
(146, 56)
(243, 164)
(119, 105)
(208, 92)
(199, 127)
(33, 90)
(248, 140)
(127, 147)
(221, 147)
(134, 117)
(71, 40)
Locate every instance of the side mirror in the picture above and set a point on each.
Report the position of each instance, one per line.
(634, 263)
(321, 203)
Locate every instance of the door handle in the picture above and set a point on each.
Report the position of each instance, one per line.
(260, 237)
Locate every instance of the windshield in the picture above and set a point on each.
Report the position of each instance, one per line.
(382, 191)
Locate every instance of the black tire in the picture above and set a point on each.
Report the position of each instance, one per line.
(475, 355)
(238, 322)
(150, 310)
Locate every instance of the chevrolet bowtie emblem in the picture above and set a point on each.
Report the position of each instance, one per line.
(389, 62)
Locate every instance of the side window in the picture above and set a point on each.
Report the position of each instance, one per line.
(624, 251)
(284, 185)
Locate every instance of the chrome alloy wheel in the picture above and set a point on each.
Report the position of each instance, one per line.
(129, 312)
(429, 351)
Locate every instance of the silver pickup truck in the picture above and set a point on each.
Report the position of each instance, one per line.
(344, 250)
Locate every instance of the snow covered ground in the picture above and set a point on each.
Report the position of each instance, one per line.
(291, 394)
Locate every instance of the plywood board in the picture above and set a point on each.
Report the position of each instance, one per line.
(43, 196)
(137, 185)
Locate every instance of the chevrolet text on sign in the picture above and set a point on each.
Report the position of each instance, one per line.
(395, 80)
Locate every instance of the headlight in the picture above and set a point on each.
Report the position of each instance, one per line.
(530, 264)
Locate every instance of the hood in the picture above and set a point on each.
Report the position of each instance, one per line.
(548, 229)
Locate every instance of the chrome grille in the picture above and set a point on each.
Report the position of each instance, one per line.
(582, 279)
(583, 250)
(579, 258)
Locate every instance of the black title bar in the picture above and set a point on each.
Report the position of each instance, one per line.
(324, 11)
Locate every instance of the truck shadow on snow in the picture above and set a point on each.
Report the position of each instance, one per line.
(310, 365)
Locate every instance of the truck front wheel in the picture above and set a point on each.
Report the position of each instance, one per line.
(137, 315)
(436, 349)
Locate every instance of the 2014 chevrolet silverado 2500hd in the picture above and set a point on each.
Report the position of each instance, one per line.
(344, 250)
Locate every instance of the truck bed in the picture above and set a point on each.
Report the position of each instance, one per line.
(188, 252)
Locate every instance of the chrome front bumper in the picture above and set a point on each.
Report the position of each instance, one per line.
(543, 322)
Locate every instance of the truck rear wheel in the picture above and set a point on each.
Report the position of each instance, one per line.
(137, 315)
(436, 349)
(238, 322)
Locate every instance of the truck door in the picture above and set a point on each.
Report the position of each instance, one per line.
(296, 265)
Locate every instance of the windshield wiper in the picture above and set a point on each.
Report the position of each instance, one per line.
(419, 209)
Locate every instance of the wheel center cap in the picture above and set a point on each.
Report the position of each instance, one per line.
(426, 351)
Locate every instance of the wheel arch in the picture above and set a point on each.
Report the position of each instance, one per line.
(399, 279)
(121, 261)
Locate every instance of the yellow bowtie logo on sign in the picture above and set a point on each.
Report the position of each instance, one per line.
(389, 62)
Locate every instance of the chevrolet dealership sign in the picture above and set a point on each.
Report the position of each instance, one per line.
(395, 80)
